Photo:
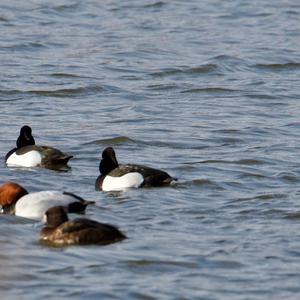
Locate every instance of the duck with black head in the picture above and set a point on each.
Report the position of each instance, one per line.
(60, 231)
(28, 154)
(115, 177)
(15, 200)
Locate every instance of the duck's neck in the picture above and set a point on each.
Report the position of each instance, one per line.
(56, 220)
(107, 166)
(25, 140)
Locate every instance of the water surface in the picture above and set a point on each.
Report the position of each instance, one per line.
(206, 90)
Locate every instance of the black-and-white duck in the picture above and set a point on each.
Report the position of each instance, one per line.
(115, 177)
(28, 154)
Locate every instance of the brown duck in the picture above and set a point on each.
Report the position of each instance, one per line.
(60, 231)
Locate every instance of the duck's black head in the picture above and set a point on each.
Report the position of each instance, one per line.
(109, 161)
(55, 216)
(25, 138)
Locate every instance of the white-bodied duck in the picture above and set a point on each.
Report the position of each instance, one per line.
(15, 199)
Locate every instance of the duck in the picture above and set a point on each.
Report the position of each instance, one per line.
(115, 177)
(15, 200)
(28, 154)
(60, 231)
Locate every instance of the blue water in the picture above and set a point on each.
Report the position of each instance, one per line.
(206, 90)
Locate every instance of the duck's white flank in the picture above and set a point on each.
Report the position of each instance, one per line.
(34, 205)
(29, 159)
(129, 180)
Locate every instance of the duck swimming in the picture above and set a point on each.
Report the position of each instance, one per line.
(15, 199)
(60, 231)
(115, 177)
(28, 154)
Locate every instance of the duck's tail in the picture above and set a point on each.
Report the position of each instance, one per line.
(79, 205)
(62, 160)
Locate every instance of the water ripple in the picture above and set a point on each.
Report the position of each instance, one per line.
(68, 75)
(142, 264)
(153, 143)
(66, 92)
(206, 90)
(295, 215)
(204, 69)
(31, 46)
(112, 141)
(162, 87)
(244, 161)
(264, 197)
(290, 66)
(155, 4)
(212, 90)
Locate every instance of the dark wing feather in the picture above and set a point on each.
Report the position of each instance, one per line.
(53, 156)
(25, 149)
(77, 225)
(50, 155)
(81, 232)
(152, 177)
(86, 231)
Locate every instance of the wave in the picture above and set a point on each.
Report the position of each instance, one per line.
(162, 87)
(67, 75)
(263, 197)
(157, 4)
(213, 90)
(67, 92)
(60, 8)
(206, 182)
(126, 140)
(279, 67)
(295, 215)
(112, 141)
(160, 263)
(245, 161)
(204, 69)
(31, 46)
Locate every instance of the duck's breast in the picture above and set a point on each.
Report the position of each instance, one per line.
(29, 159)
